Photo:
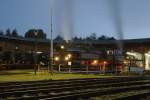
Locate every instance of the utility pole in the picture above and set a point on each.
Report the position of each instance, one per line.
(35, 53)
(51, 42)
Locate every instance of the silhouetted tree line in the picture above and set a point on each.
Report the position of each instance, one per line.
(93, 36)
(10, 33)
(40, 34)
(32, 33)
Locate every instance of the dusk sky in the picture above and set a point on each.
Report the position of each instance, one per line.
(78, 17)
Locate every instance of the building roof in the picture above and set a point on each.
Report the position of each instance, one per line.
(102, 42)
(23, 39)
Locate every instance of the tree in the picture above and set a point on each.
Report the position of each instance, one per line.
(1, 32)
(111, 38)
(14, 33)
(103, 37)
(6, 57)
(77, 38)
(31, 34)
(8, 33)
(59, 38)
(41, 34)
(92, 37)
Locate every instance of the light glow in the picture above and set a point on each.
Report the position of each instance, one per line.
(105, 62)
(56, 58)
(66, 58)
(95, 62)
(147, 61)
(69, 55)
(62, 47)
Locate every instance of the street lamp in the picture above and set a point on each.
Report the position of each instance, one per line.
(66, 58)
(69, 63)
(62, 47)
(56, 58)
(95, 62)
(104, 66)
(69, 55)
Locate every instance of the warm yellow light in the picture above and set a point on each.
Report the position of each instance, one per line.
(105, 62)
(66, 58)
(125, 62)
(62, 47)
(69, 55)
(95, 62)
(56, 58)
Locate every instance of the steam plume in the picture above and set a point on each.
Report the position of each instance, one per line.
(116, 15)
(66, 20)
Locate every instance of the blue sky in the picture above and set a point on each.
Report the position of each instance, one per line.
(78, 17)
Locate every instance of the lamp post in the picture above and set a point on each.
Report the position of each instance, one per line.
(69, 63)
(62, 47)
(87, 66)
(35, 55)
(68, 60)
(104, 66)
(51, 51)
(56, 59)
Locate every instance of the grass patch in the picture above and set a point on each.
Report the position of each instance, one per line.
(28, 75)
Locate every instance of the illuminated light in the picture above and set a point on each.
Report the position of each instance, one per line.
(147, 61)
(62, 47)
(95, 62)
(69, 55)
(38, 52)
(105, 62)
(125, 62)
(56, 58)
(131, 53)
(66, 58)
(147, 54)
(110, 52)
(16, 48)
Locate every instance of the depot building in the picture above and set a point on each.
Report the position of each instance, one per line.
(134, 53)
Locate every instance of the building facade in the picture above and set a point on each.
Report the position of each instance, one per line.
(133, 52)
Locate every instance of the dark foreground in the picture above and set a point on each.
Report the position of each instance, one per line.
(78, 89)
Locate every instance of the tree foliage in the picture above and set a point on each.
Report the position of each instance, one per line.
(1, 32)
(39, 33)
(8, 33)
(92, 36)
(14, 33)
(32, 34)
(77, 38)
(59, 38)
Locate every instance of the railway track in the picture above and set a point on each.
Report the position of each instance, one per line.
(143, 96)
(71, 89)
(8, 86)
